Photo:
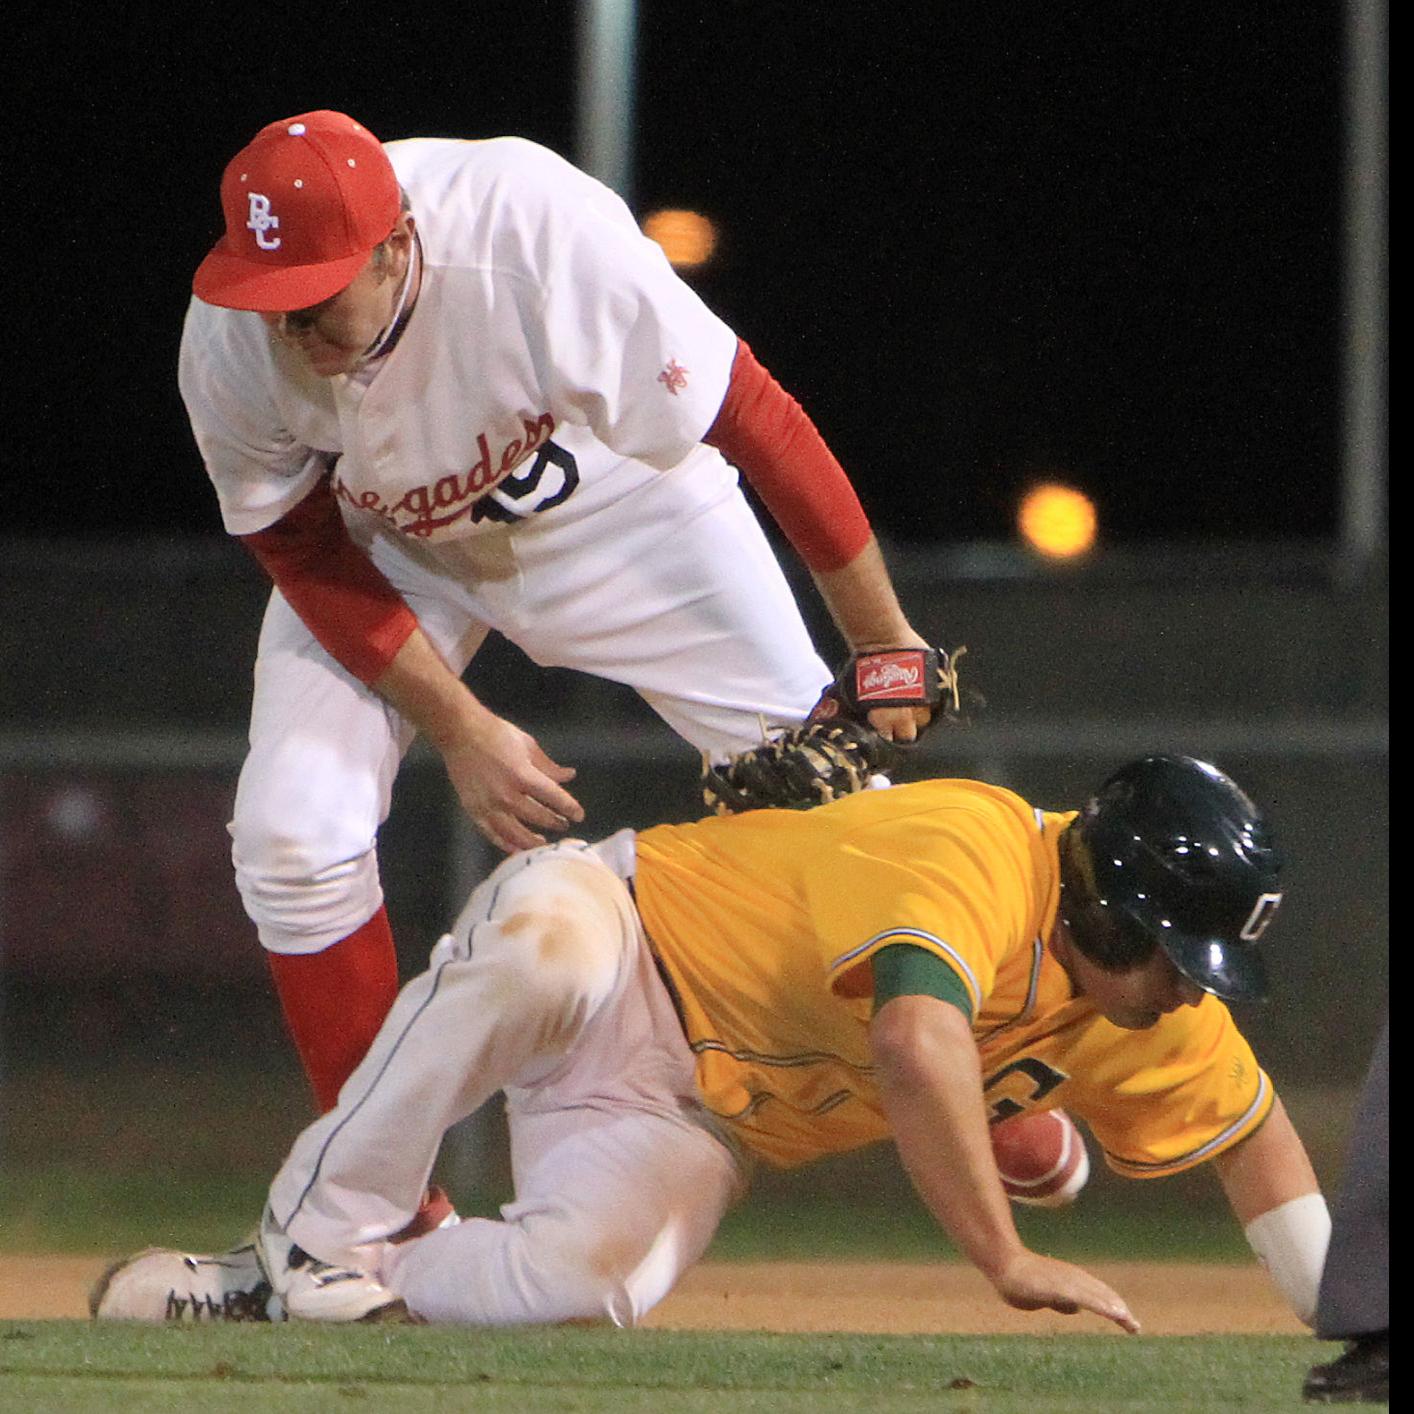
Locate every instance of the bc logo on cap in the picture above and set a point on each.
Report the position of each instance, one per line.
(261, 222)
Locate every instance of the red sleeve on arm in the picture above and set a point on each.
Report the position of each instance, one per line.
(333, 586)
(763, 430)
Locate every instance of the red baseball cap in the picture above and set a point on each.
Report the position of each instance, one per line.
(305, 203)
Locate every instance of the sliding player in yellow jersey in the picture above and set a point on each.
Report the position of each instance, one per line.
(663, 1010)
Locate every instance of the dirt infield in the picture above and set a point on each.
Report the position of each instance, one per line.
(873, 1298)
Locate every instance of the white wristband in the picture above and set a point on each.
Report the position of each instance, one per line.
(1290, 1240)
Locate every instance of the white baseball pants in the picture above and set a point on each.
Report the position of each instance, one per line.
(671, 588)
(546, 989)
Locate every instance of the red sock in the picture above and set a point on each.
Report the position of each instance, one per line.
(334, 1002)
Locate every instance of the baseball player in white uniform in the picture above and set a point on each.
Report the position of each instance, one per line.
(444, 387)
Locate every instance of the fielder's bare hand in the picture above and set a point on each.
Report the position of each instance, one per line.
(1031, 1282)
(508, 786)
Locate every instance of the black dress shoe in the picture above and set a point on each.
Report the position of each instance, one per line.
(1360, 1376)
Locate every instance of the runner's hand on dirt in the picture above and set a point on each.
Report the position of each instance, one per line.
(1031, 1282)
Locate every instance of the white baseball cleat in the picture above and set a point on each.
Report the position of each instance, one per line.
(159, 1285)
(311, 1290)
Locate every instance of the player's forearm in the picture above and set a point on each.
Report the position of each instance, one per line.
(1273, 1191)
(861, 599)
(1268, 1168)
(930, 1080)
(420, 685)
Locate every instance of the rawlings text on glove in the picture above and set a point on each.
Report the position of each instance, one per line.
(893, 677)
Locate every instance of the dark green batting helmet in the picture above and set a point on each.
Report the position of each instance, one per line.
(1170, 853)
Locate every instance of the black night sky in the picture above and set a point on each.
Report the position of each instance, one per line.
(979, 242)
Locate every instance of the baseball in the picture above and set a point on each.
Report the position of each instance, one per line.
(1041, 1158)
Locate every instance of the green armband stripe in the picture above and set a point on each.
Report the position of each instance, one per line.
(906, 970)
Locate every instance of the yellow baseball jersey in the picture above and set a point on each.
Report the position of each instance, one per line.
(766, 924)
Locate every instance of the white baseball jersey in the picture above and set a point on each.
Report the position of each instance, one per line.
(550, 341)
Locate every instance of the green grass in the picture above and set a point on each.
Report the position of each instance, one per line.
(64, 1365)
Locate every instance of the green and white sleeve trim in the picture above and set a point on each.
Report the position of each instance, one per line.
(918, 938)
(1238, 1129)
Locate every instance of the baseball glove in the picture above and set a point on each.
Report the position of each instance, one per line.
(802, 767)
(894, 677)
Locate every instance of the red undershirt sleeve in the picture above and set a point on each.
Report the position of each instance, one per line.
(344, 600)
(763, 431)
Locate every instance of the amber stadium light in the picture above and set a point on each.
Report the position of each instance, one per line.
(1057, 521)
(688, 238)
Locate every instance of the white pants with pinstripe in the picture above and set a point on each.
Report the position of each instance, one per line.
(545, 988)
